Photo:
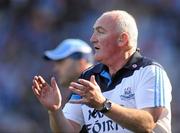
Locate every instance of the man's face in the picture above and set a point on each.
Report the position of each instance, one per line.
(66, 70)
(105, 38)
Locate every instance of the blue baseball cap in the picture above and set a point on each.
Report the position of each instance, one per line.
(67, 48)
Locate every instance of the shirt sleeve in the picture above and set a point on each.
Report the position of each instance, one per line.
(74, 112)
(154, 88)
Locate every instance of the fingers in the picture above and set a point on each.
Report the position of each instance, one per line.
(40, 78)
(89, 84)
(36, 92)
(88, 90)
(77, 88)
(36, 88)
(38, 84)
(84, 86)
(42, 82)
(77, 85)
(35, 83)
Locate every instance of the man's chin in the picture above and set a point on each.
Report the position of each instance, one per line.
(97, 58)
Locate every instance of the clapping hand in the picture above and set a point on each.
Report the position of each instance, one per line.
(48, 95)
(89, 91)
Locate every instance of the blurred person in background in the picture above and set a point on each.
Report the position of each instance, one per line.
(70, 58)
(124, 92)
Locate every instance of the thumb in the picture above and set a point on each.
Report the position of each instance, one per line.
(93, 80)
(54, 83)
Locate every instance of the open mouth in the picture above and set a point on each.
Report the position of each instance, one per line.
(96, 48)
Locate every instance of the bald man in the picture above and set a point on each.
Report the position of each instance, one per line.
(125, 92)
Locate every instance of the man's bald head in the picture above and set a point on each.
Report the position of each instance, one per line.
(125, 23)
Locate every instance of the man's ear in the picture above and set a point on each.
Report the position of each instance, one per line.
(123, 38)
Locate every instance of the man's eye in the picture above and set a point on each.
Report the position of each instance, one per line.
(100, 31)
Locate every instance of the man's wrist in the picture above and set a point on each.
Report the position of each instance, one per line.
(101, 105)
(107, 105)
(53, 111)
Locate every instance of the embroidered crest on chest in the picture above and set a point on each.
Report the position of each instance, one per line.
(127, 94)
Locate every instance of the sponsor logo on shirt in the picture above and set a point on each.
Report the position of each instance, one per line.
(98, 123)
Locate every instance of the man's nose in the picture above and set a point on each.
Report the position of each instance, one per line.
(93, 38)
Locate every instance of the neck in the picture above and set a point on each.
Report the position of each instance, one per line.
(117, 63)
